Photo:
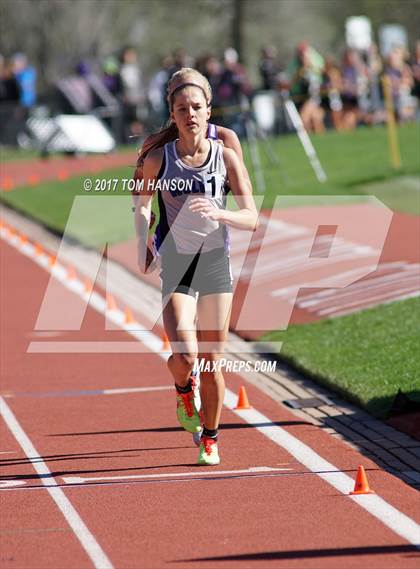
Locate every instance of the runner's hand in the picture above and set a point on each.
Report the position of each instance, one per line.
(206, 209)
(148, 264)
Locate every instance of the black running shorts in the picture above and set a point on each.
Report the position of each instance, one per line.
(202, 273)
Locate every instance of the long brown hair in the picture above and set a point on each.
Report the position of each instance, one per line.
(185, 76)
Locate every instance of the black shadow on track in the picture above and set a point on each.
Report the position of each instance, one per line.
(223, 426)
(310, 553)
(83, 455)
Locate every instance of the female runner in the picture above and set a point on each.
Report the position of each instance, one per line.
(192, 239)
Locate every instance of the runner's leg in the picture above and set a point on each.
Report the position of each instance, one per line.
(213, 316)
(179, 316)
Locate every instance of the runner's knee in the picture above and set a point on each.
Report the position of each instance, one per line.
(188, 358)
(185, 359)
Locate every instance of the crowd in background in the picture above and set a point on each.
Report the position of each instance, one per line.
(343, 95)
(327, 93)
(17, 95)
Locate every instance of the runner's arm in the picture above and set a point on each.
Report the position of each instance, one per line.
(138, 172)
(244, 218)
(230, 140)
(143, 211)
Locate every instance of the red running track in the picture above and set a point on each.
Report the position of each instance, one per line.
(33, 172)
(288, 519)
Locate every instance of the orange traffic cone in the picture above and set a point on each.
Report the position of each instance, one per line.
(361, 486)
(71, 273)
(166, 346)
(33, 179)
(23, 239)
(88, 286)
(52, 260)
(129, 318)
(63, 175)
(110, 302)
(8, 183)
(243, 402)
(38, 249)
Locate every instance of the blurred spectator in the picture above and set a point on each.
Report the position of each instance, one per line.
(331, 94)
(180, 58)
(374, 71)
(156, 93)
(234, 83)
(110, 90)
(305, 77)
(212, 69)
(9, 87)
(401, 78)
(415, 69)
(11, 113)
(134, 98)
(102, 98)
(269, 67)
(354, 77)
(111, 76)
(26, 77)
(75, 93)
(86, 92)
(232, 91)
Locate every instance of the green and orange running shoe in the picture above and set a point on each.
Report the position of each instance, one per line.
(187, 413)
(209, 454)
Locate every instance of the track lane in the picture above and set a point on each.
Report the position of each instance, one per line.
(132, 519)
(28, 527)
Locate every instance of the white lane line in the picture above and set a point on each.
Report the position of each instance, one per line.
(377, 270)
(377, 299)
(81, 531)
(88, 347)
(285, 292)
(251, 470)
(137, 389)
(398, 522)
(373, 304)
(361, 299)
(271, 262)
(363, 288)
(130, 347)
(374, 504)
(11, 483)
(292, 270)
(88, 392)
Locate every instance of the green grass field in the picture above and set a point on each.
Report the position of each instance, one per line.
(51, 203)
(399, 194)
(366, 356)
(351, 160)
(9, 154)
